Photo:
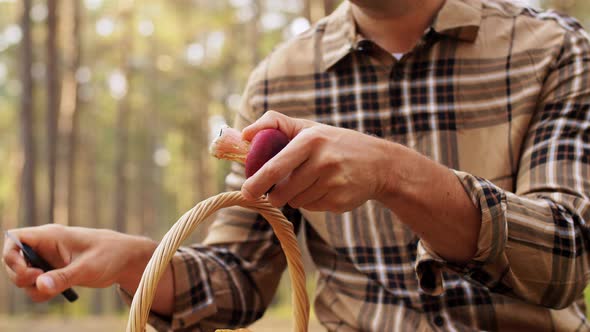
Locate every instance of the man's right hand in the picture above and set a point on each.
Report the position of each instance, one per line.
(82, 257)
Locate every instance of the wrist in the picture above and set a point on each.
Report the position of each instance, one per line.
(138, 251)
(406, 176)
(391, 171)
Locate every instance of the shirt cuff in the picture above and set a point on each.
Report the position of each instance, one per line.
(193, 298)
(491, 201)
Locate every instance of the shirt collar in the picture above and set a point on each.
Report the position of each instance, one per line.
(457, 19)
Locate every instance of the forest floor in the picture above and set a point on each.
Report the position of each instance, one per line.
(114, 324)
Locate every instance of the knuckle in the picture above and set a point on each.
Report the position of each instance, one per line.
(54, 227)
(21, 281)
(272, 172)
(313, 135)
(35, 296)
(331, 162)
(11, 261)
(8, 260)
(271, 116)
(51, 230)
(334, 184)
(340, 181)
(335, 158)
(326, 166)
(64, 277)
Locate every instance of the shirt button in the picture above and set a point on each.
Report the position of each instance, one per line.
(438, 320)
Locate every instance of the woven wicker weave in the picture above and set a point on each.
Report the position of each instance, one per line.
(144, 296)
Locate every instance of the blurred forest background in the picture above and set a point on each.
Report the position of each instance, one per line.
(107, 109)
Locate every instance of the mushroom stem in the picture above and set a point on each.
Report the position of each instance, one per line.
(229, 145)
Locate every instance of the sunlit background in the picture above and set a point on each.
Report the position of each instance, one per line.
(106, 112)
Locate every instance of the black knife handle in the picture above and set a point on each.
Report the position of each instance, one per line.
(38, 262)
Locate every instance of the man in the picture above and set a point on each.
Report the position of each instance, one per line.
(450, 141)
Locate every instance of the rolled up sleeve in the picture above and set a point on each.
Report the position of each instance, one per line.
(534, 242)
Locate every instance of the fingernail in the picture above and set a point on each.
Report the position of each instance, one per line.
(46, 281)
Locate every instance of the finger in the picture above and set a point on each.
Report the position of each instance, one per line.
(313, 194)
(332, 203)
(318, 203)
(278, 167)
(37, 296)
(50, 241)
(14, 260)
(9, 244)
(56, 281)
(300, 180)
(25, 278)
(35, 236)
(17, 269)
(275, 120)
(21, 235)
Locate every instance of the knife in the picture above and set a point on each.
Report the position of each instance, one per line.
(38, 262)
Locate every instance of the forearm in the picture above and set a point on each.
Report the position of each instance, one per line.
(141, 250)
(213, 282)
(430, 199)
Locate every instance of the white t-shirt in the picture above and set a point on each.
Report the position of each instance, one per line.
(397, 56)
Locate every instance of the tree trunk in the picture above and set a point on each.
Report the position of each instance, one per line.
(9, 220)
(4, 283)
(122, 134)
(121, 166)
(53, 89)
(202, 180)
(91, 159)
(122, 130)
(29, 206)
(150, 174)
(197, 137)
(255, 32)
(71, 107)
(307, 10)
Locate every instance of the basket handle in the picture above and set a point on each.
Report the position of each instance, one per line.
(144, 296)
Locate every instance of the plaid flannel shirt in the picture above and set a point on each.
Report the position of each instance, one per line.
(497, 92)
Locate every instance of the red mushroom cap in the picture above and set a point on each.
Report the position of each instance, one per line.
(265, 145)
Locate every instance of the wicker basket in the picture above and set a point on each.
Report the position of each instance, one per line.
(144, 296)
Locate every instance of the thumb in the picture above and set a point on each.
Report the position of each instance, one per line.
(57, 281)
